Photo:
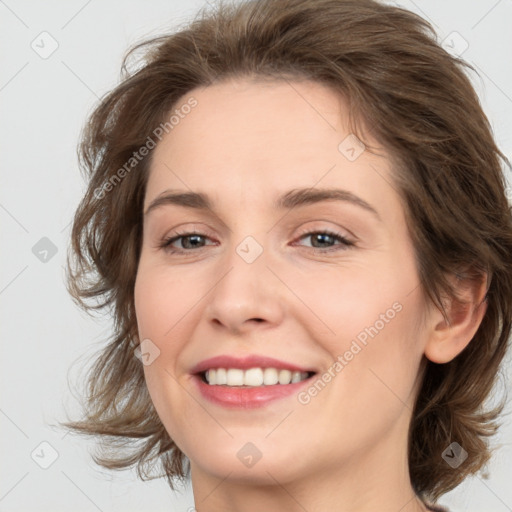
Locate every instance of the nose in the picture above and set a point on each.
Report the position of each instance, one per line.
(247, 295)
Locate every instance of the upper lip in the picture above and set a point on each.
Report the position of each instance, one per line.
(244, 363)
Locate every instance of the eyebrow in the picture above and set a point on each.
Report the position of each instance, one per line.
(291, 199)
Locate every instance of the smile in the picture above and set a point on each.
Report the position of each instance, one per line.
(250, 381)
(253, 377)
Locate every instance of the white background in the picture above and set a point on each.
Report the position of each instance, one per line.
(44, 105)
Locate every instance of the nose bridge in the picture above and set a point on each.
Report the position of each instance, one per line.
(246, 288)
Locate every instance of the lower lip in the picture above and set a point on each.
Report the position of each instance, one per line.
(247, 397)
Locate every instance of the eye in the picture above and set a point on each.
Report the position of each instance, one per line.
(322, 241)
(190, 240)
(323, 237)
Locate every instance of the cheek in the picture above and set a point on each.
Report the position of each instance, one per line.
(161, 299)
(373, 315)
(381, 361)
(346, 301)
(374, 385)
(161, 305)
(172, 405)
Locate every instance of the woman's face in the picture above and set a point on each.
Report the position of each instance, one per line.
(276, 270)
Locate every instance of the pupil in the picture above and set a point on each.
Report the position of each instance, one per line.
(322, 236)
(190, 237)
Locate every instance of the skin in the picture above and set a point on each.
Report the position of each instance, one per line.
(244, 144)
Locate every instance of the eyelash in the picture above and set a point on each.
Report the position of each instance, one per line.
(167, 247)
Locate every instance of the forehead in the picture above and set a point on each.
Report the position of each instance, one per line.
(258, 138)
(237, 117)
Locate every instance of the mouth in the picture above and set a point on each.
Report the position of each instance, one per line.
(252, 377)
(250, 381)
(234, 388)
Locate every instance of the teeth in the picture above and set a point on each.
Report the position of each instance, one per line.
(253, 377)
(220, 376)
(270, 377)
(235, 377)
(285, 376)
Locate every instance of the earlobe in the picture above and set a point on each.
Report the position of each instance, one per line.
(447, 339)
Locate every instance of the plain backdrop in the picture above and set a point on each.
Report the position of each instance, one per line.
(57, 59)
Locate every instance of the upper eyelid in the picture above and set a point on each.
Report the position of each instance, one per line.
(206, 230)
(343, 232)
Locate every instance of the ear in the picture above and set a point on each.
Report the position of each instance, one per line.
(448, 339)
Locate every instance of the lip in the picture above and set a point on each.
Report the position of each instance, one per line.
(245, 363)
(247, 397)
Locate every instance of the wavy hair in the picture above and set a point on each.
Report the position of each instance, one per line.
(417, 101)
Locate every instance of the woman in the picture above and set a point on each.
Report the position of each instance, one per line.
(297, 212)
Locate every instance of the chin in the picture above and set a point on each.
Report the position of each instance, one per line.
(244, 464)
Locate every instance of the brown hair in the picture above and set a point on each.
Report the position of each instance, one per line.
(419, 104)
